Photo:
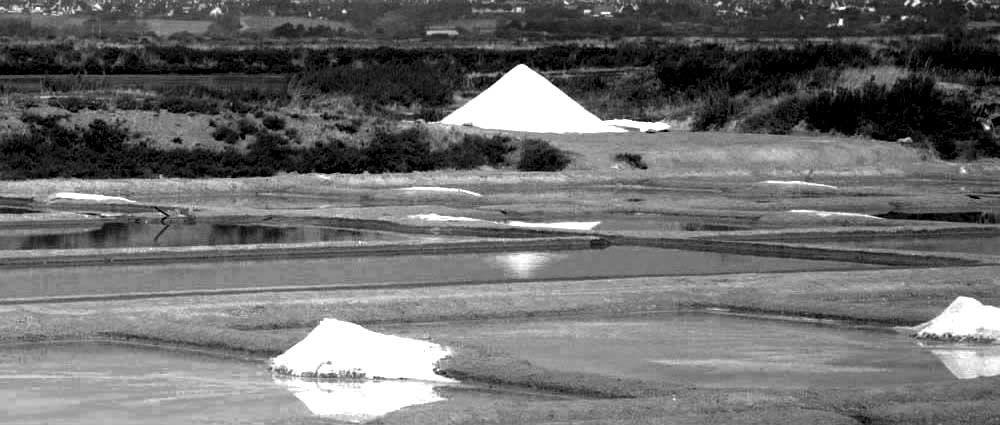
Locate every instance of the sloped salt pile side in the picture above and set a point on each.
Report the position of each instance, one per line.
(965, 319)
(439, 217)
(835, 214)
(359, 402)
(337, 349)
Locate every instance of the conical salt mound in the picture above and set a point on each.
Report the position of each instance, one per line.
(523, 100)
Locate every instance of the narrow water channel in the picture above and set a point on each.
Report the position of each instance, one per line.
(616, 261)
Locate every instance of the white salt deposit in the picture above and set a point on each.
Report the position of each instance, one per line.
(439, 217)
(358, 402)
(794, 183)
(342, 349)
(643, 126)
(970, 362)
(523, 100)
(828, 214)
(565, 225)
(87, 197)
(965, 318)
(439, 190)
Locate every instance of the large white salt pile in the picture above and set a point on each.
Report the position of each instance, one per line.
(358, 402)
(523, 100)
(797, 184)
(338, 349)
(970, 362)
(87, 197)
(965, 319)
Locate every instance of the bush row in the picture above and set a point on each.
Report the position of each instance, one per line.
(50, 149)
(911, 108)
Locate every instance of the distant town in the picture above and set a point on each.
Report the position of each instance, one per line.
(479, 18)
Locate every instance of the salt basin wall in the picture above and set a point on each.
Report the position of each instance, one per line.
(523, 100)
(337, 349)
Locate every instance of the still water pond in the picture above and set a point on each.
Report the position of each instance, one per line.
(121, 235)
(94, 383)
(719, 351)
(616, 261)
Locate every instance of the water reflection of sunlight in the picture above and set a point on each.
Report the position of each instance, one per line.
(360, 401)
(525, 265)
(970, 362)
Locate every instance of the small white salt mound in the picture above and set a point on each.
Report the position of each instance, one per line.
(965, 318)
(439, 190)
(643, 126)
(439, 217)
(342, 349)
(794, 183)
(828, 214)
(970, 363)
(87, 197)
(358, 402)
(565, 225)
(523, 100)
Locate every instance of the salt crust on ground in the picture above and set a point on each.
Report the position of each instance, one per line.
(346, 349)
(439, 189)
(88, 197)
(358, 402)
(827, 214)
(965, 318)
(566, 225)
(793, 183)
(439, 217)
(643, 126)
(563, 225)
(523, 100)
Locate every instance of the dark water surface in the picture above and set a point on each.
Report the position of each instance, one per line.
(122, 235)
(616, 261)
(94, 383)
(718, 351)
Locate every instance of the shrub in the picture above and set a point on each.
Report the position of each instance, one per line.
(77, 104)
(398, 152)
(912, 107)
(274, 122)
(224, 133)
(247, 126)
(717, 110)
(333, 157)
(634, 160)
(539, 155)
(183, 105)
(474, 151)
(780, 119)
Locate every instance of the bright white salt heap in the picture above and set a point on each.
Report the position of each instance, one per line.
(338, 349)
(357, 402)
(440, 190)
(965, 319)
